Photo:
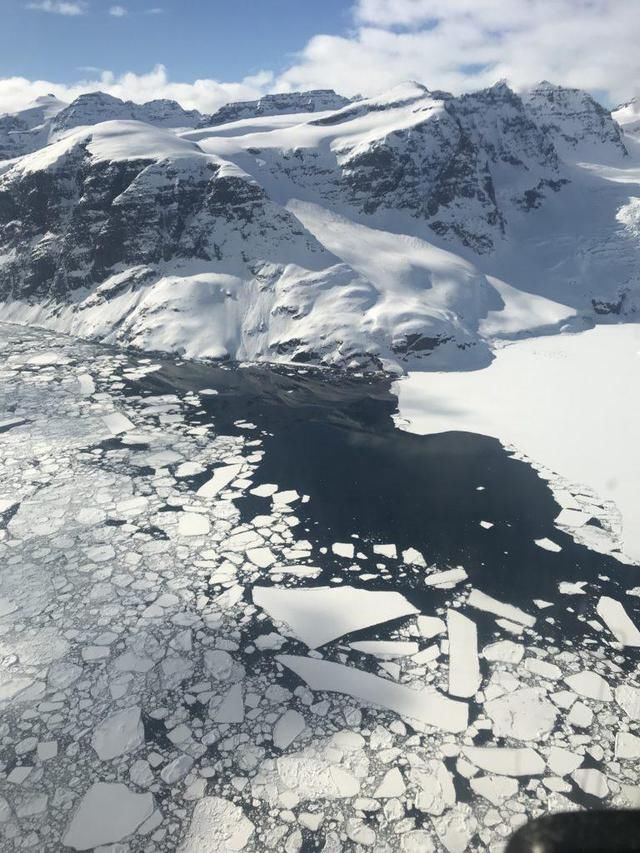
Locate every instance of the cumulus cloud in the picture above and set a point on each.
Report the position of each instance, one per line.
(204, 95)
(465, 44)
(54, 7)
(118, 11)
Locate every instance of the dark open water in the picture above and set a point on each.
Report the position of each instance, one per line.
(333, 438)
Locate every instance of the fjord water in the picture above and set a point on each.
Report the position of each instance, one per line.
(332, 437)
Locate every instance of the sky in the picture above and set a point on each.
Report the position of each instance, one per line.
(204, 53)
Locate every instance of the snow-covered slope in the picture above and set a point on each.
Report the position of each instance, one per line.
(28, 129)
(628, 116)
(411, 228)
(48, 118)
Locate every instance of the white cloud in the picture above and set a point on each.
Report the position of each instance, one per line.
(447, 44)
(205, 95)
(465, 44)
(118, 11)
(70, 8)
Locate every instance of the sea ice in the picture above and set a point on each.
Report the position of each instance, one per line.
(119, 733)
(427, 705)
(506, 761)
(217, 826)
(343, 549)
(318, 615)
(617, 620)
(117, 423)
(386, 649)
(107, 813)
(464, 666)
(193, 524)
(525, 714)
(548, 544)
(591, 685)
(482, 601)
(221, 478)
(288, 727)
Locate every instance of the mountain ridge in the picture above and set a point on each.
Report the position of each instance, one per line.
(415, 228)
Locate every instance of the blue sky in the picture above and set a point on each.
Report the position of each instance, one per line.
(223, 39)
(207, 52)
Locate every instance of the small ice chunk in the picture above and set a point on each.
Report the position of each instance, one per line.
(290, 725)
(107, 813)
(228, 708)
(628, 698)
(580, 716)
(464, 666)
(572, 518)
(543, 668)
(496, 789)
(217, 825)
(207, 392)
(392, 785)
(412, 557)
(569, 588)
(261, 557)
(627, 745)
(482, 601)
(389, 551)
(285, 498)
(446, 579)
(118, 733)
(562, 761)
(87, 385)
(548, 544)
(117, 423)
(221, 478)
(506, 761)
(343, 549)
(189, 469)
(525, 714)
(264, 491)
(487, 524)
(318, 615)
(617, 620)
(193, 524)
(591, 685)
(386, 649)
(427, 705)
(504, 651)
(430, 626)
(592, 782)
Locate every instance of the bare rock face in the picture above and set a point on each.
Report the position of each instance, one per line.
(316, 100)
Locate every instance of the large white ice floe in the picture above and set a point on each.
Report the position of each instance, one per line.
(217, 826)
(317, 615)
(427, 705)
(617, 620)
(108, 812)
(506, 761)
(464, 666)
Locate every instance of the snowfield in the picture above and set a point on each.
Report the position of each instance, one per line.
(569, 402)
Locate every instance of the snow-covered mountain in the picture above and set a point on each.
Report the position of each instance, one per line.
(28, 129)
(414, 227)
(287, 103)
(48, 118)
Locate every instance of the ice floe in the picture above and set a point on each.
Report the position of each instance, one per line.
(318, 615)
